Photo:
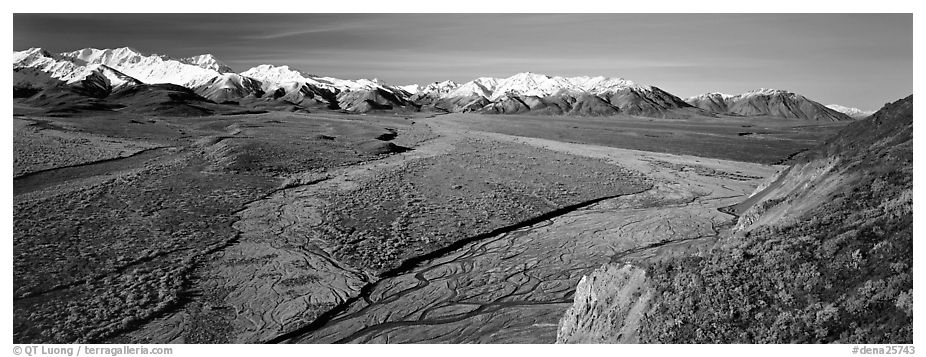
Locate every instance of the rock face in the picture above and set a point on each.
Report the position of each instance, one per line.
(771, 102)
(607, 307)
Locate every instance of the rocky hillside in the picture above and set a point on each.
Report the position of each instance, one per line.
(822, 253)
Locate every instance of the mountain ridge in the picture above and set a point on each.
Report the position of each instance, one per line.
(764, 101)
(525, 92)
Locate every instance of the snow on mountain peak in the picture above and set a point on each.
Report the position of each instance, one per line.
(61, 68)
(482, 86)
(530, 84)
(27, 57)
(852, 112)
(277, 76)
(541, 85)
(711, 95)
(207, 61)
(151, 68)
(766, 91)
(717, 96)
(437, 89)
(411, 88)
(600, 84)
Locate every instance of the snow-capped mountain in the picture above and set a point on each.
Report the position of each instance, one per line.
(539, 93)
(230, 87)
(207, 61)
(771, 102)
(435, 87)
(713, 102)
(100, 72)
(539, 85)
(274, 77)
(37, 69)
(852, 112)
(206, 75)
(430, 92)
(152, 69)
(480, 87)
(286, 83)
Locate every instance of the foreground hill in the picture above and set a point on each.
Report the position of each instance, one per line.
(772, 102)
(822, 253)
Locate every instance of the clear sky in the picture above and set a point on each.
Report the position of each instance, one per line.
(858, 60)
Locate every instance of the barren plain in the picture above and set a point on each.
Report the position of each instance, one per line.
(327, 227)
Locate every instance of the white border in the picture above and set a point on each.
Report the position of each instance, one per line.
(491, 6)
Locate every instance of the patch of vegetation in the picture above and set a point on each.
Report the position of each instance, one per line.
(843, 274)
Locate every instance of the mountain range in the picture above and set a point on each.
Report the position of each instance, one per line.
(99, 75)
(771, 102)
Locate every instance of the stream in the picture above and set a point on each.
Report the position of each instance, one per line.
(514, 287)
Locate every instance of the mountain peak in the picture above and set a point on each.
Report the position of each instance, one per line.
(151, 69)
(30, 55)
(765, 101)
(767, 91)
(207, 61)
(127, 49)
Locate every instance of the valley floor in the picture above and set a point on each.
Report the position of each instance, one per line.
(321, 228)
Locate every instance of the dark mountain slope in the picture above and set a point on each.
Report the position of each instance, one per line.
(163, 99)
(653, 103)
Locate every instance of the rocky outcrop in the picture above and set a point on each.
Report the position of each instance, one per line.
(607, 307)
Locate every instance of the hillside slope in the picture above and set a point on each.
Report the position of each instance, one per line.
(823, 253)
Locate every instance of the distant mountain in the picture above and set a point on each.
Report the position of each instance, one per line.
(36, 69)
(204, 74)
(430, 92)
(541, 94)
(361, 95)
(99, 72)
(713, 102)
(153, 69)
(852, 112)
(771, 102)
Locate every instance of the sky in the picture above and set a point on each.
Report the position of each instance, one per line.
(857, 60)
